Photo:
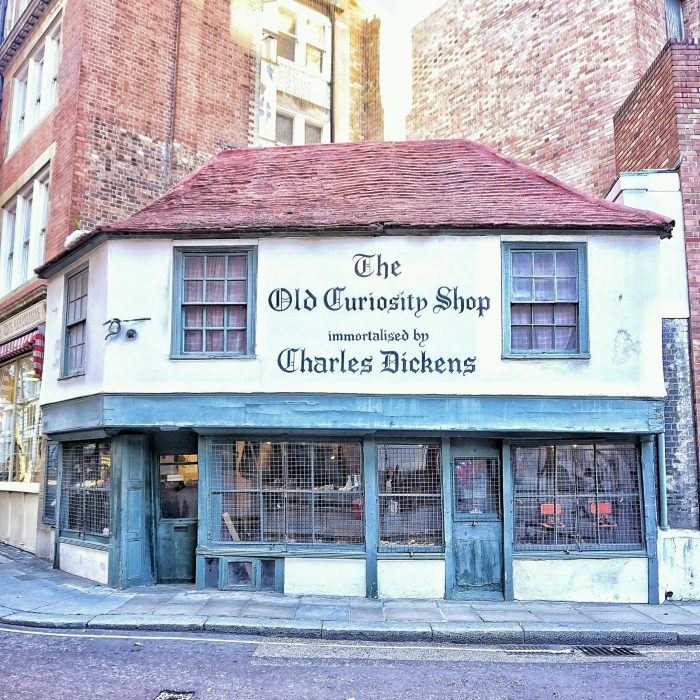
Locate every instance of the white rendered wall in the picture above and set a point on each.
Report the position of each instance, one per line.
(679, 564)
(84, 562)
(660, 192)
(91, 381)
(614, 580)
(417, 578)
(625, 323)
(344, 577)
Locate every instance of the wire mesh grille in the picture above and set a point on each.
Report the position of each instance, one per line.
(85, 498)
(577, 497)
(410, 496)
(477, 486)
(286, 492)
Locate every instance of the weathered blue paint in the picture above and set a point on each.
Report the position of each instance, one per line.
(448, 516)
(583, 335)
(663, 498)
(276, 413)
(131, 462)
(176, 545)
(477, 539)
(650, 521)
(369, 466)
(507, 486)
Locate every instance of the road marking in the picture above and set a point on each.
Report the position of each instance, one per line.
(265, 641)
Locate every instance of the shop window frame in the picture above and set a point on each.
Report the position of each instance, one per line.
(602, 550)
(177, 351)
(583, 352)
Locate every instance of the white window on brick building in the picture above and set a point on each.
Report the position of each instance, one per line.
(674, 19)
(298, 129)
(15, 9)
(34, 87)
(303, 37)
(23, 233)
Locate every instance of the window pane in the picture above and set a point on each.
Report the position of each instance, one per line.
(566, 338)
(215, 266)
(193, 291)
(313, 134)
(286, 47)
(288, 22)
(543, 314)
(215, 290)
(237, 291)
(284, 130)
(476, 485)
(194, 266)
(544, 264)
(215, 341)
(544, 289)
(410, 496)
(521, 337)
(566, 289)
(565, 314)
(521, 313)
(215, 316)
(567, 263)
(236, 317)
(544, 338)
(314, 59)
(237, 267)
(236, 341)
(193, 341)
(194, 316)
(522, 289)
(316, 33)
(522, 264)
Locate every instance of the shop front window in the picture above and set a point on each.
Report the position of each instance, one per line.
(286, 493)
(577, 497)
(21, 441)
(85, 489)
(410, 497)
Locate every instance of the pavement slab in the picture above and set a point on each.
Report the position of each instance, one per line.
(278, 610)
(506, 616)
(410, 611)
(322, 612)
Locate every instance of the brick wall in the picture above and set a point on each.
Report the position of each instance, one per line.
(658, 126)
(540, 84)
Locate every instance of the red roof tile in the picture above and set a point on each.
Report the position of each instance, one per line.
(404, 184)
(370, 185)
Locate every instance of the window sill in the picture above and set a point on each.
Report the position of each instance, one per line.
(71, 376)
(19, 486)
(598, 554)
(547, 356)
(76, 542)
(256, 550)
(411, 555)
(211, 356)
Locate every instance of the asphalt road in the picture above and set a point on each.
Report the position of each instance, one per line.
(42, 664)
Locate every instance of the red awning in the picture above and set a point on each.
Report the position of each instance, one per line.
(18, 346)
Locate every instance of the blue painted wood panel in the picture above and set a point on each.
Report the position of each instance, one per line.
(358, 413)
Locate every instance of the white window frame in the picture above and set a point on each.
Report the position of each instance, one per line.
(34, 87)
(300, 120)
(23, 234)
(15, 9)
(304, 37)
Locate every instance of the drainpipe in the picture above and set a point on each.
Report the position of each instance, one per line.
(663, 501)
(332, 86)
(170, 123)
(3, 13)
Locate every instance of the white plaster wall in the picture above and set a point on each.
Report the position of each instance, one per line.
(18, 519)
(324, 576)
(84, 561)
(53, 388)
(405, 578)
(624, 321)
(660, 192)
(615, 580)
(679, 564)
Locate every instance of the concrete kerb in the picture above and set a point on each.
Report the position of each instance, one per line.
(439, 632)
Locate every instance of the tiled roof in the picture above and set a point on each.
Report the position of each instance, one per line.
(373, 186)
(412, 184)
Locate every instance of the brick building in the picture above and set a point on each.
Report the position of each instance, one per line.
(104, 106)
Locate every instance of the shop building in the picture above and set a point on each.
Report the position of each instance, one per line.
(387, 369)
